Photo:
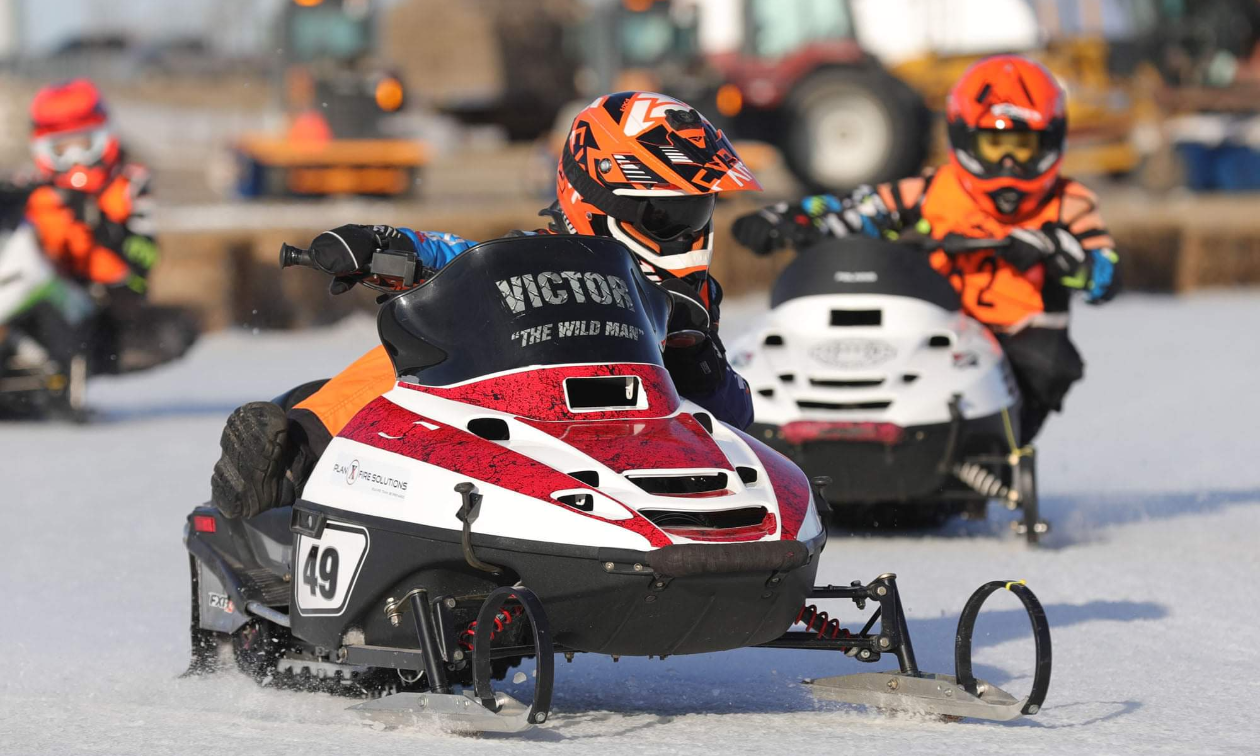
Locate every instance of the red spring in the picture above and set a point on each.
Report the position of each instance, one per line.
(505, 617)
(814, 620)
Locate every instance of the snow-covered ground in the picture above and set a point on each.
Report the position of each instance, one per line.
(1151, 481)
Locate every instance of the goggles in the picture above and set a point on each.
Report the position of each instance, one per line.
(666, 219)
(66, 150)
(995, 147)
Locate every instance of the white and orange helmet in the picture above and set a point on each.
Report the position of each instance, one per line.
(71, 139)
(646, 169)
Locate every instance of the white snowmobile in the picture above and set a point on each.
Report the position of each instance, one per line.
(544, 490)
(866, 370)
(44, 320)
(56, 333)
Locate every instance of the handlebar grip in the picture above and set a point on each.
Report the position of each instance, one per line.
(954, 244)
(291, 256)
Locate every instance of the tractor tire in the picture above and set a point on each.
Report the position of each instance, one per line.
(848, 127)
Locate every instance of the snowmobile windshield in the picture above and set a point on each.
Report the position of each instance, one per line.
(864, 265)
(526, 302)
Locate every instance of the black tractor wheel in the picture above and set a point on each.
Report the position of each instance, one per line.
(846, 127)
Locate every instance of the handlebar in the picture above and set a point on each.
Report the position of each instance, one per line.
(390, 270)
(954, 244)
(291, 256)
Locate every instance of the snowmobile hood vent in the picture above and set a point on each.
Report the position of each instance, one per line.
(842, 318)
(743, 524)
(685, 485)
(730, 518)
(843, 406)
(854, 383)
(600, 393)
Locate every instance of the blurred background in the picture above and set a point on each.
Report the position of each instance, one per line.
(270, 120)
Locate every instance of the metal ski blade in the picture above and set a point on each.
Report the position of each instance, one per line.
(449, 711)
(924, 694)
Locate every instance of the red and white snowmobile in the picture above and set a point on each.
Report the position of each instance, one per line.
(534, 485)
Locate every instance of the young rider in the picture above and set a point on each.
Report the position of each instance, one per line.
(90, 206)
(1007, 122)
(638, 167)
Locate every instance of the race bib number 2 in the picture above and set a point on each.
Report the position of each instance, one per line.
(328, 567)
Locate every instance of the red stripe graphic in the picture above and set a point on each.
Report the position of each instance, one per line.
(791, 487)
(481, 460)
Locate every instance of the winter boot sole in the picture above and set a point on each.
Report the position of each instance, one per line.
(249, 474)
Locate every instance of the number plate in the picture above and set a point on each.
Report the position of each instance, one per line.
(328, 567)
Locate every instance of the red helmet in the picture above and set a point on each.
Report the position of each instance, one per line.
(645, 169)
(1007, 123)
(71, 140)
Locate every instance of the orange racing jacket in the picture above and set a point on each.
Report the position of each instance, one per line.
(993, 291)
(104, 237)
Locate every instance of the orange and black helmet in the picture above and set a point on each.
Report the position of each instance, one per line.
(71, 139)
(1007, 125)
(646, 169)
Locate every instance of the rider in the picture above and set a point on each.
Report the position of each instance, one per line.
(638, 167)
(91, 204)
(1006, 119)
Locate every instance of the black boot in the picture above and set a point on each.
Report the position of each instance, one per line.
(249, 477)
(1032, 415)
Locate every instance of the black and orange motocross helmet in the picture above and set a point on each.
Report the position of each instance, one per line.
(1007, 126)
(646, 169)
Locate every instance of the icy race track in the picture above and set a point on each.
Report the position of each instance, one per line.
(1151, 480)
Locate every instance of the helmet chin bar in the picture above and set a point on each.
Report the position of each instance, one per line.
(1007, 199)
(672, 263)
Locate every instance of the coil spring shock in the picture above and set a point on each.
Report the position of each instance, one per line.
(506, 616)
(812, 619)
(983, 482)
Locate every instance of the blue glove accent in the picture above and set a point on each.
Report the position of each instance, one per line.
(818, 204)
(435, 249)
(869, 228)
(1103, 272)
(731, 403)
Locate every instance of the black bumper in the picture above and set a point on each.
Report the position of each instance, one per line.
(916, 469)
(681, 599)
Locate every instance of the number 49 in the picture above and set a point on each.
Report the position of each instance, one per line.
(319, 572)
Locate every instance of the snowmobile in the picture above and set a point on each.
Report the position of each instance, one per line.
(44, 320)
(541, 491)
(55, 333)
(865, 369)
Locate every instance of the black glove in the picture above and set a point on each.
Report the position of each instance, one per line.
(699, 369)
(346, 252)
(774, 227)
(760, 231)
(687, 313)
(1053, 245)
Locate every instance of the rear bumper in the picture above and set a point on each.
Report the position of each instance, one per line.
(914, 469)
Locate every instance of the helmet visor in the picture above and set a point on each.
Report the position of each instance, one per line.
(994, 147)
(668, 218)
